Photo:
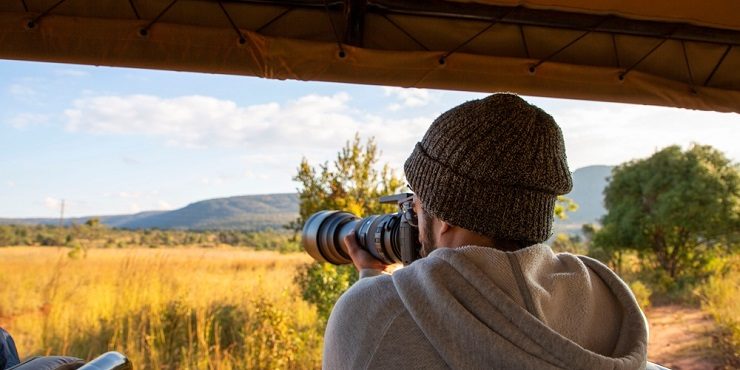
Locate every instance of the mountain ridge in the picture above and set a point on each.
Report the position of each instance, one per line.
(244, 212)
(264, 211)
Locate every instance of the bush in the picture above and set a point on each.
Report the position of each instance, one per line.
(663, 288)
(720, 296)
(76, 252)
(642, 294)
(321, 284)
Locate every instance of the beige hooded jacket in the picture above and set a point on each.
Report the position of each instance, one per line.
(481, 308)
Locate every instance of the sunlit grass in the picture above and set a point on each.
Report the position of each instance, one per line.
(721, 298)
(163, 308)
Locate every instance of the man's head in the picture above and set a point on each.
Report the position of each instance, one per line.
(493, 166)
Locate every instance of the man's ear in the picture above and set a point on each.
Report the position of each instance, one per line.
(444, 227)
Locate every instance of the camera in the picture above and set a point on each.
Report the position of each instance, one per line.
(390, 238)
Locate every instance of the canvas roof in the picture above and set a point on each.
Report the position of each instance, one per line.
(678, 53)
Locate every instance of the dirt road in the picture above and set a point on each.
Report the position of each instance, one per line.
(681, 338)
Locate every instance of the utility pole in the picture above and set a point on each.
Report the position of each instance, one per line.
(61, 215)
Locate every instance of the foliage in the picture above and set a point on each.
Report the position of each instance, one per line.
(322, 284)
(563, 206)
(604, 249)
(676, 208)
(721, 298)
(565, 243)
(273, 240)
(352, 184)
(642, 293)
(93, 234)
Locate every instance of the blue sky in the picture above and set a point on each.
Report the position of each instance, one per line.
(115, 140)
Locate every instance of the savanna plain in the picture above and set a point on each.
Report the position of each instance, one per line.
(197, 308)
(238, 308)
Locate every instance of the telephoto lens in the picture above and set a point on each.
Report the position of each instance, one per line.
(390, 238)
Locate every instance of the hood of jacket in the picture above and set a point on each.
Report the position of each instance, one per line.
(532, 308)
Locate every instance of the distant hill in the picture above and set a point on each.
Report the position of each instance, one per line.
(259, 212)
(249, 212)
(588, 188)
(588, 191)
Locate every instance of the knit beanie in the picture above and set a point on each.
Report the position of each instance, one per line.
(494, 166)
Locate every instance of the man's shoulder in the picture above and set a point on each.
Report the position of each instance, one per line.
(359, 321)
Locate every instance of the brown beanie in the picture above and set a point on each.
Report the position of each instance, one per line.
(494, 166)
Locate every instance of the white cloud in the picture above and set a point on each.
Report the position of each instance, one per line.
(252, 175)
(71, 73)
(163, 205)
(200, 121)
(27, 119)
(408, 97)
(124, 195)
(212, 180)
(128, 195)
(615, 133)
(22, 91)
(274, 136)
(52, 203)
(134, 208)
(130, 161)
(315, 126)
(10, 184)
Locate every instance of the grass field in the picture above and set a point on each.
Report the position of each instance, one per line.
(163, 308)
(205, 308)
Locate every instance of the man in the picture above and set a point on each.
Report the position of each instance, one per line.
(487, 294)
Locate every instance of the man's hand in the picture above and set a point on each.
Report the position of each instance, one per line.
(360, 258)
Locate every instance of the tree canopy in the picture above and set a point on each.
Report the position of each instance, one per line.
(676, 207)
(353, 183)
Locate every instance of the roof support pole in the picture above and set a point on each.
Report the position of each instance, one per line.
(716, 66)
(354, 16)
(32, 23)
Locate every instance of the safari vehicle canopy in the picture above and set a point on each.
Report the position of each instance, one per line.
(679, 53)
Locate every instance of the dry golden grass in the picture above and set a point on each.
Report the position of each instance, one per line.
(164, 308)
(721, 298)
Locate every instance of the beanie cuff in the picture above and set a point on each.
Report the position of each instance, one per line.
(494, 210)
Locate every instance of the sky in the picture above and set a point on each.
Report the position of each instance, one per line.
(118, 141)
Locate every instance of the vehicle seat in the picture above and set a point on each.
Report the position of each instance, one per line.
(49, 363)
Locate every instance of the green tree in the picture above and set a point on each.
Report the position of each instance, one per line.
(674, 208)
(93, 222)
(353, 184)
(603, 247)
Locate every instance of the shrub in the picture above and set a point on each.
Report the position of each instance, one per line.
(321, 284)
(720, 297)
(642, 294)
